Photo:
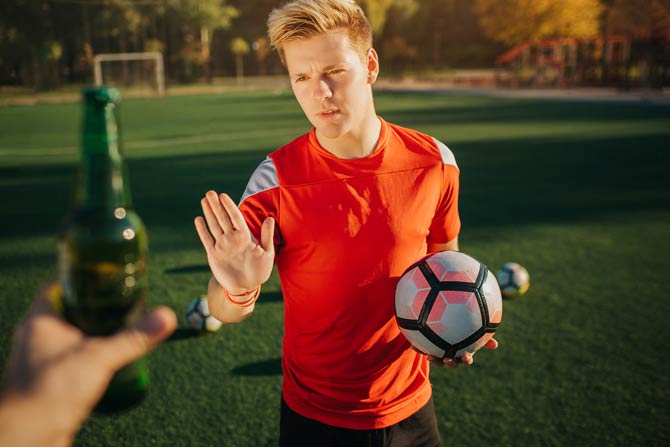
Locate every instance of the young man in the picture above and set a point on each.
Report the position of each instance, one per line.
(343, 211)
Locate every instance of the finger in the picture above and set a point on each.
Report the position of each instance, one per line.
(219, 211)
(134, 342)
(203, 234)
(267, 236)
(467, 359)
(435, 361)
(492, 344)
(451, 363)
(49, 300)
(212, 222)
(233, 212)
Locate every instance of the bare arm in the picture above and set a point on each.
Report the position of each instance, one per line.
(222, 308)
(451, 245)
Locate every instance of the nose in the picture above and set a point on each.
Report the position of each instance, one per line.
(322, 90)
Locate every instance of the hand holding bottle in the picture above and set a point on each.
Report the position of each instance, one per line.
(56, 373)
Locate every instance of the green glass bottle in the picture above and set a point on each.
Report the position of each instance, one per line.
(103, 245)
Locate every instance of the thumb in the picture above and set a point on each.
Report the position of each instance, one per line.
(135, 341)
(267, 236)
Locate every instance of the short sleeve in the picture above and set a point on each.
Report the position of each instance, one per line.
(261, 199)
(446, 223)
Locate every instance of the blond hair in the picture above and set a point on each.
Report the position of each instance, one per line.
(301, 19)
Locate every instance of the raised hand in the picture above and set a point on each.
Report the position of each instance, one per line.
(238, 262)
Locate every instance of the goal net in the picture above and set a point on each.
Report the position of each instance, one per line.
(132, 73)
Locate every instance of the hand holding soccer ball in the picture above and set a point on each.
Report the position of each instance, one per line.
(448, 305)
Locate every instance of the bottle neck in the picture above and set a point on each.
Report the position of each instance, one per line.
(103, 182)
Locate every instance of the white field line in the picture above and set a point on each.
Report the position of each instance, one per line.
(151, 144)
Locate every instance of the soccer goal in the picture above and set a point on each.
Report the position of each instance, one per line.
(133, 72)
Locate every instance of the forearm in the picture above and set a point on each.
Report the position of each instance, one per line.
(223, 308)
(452, 245)
(25, 422)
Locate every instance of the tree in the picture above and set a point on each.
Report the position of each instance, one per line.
(445, 33)
(262, 49)
(28, 34)
(647, 22)
(202, 18)
(515, 21)
(398, 54)
(123, 21)
(637, 17)
(239, 47)
(377, 11)
(250, 24)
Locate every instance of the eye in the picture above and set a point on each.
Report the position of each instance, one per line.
(335, 71)
(300, 79)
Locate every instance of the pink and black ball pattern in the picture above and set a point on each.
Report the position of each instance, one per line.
(448, 303)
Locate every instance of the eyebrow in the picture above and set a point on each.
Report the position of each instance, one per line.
(326, 68)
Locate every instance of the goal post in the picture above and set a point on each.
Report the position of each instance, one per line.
(155, 76)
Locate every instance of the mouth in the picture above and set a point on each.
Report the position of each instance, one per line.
(329, 113)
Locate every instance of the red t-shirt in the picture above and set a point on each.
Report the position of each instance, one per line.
(346, 231)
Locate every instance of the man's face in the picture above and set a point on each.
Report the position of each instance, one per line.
(331, 82)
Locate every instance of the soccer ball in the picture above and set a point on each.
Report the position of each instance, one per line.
(198, 316)
(513, 279)
(447, 304)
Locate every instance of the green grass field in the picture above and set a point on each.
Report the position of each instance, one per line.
(579, 193)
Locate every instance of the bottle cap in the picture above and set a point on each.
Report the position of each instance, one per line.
(100, 120)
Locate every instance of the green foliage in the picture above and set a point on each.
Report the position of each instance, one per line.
(184, 26)
(154, 45)
(576, 192)
(53, 51)
(240, 46)
(377, 11)
(444, 33)
(197, 13)
(515, 21)
(196, 35)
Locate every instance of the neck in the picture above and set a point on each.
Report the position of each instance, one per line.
(103, 183)
(358, 143)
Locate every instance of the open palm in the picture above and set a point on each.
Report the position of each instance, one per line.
(238, 262)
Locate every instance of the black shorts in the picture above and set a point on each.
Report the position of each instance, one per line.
(418, 430)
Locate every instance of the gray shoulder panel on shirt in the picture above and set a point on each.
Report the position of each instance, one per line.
(263, 178)
(447, 156)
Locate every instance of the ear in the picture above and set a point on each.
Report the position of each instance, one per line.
(372, 60)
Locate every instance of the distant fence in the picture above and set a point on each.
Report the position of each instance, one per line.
(621, 61)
